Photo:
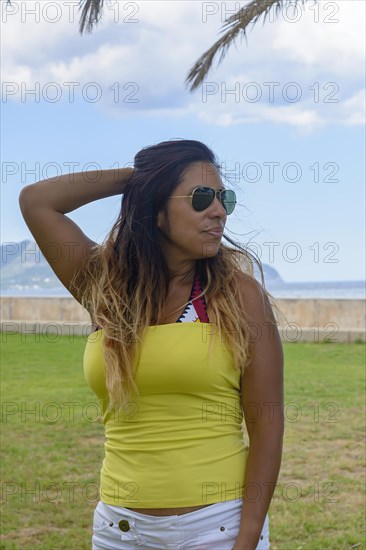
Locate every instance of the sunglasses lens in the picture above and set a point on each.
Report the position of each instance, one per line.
(202, 198)
(228, 199)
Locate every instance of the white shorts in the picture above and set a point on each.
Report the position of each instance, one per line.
(213, 527)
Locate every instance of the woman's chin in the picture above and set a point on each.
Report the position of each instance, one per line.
(210, 250)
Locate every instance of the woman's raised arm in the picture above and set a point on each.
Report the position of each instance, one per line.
(44, 205)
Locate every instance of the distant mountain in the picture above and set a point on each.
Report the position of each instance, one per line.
(23, 266)
(271, 276)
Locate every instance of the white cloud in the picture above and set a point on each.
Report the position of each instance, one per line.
(157, 51)
(304, 119)
(328, 38)
(354, 109)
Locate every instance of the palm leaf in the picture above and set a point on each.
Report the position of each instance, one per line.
(91, 14)
(233, 27)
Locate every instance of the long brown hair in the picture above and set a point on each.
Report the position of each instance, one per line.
(127, 278)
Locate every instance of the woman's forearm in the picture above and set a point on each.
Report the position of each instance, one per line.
(70, 191)
(262, 469)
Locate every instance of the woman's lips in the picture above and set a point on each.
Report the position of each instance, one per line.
(216, 232)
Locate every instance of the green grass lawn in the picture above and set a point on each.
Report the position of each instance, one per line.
(52, 447)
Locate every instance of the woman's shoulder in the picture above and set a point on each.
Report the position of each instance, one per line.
(248, 284)
(253, 296)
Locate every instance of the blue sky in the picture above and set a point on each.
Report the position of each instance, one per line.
(284, 114)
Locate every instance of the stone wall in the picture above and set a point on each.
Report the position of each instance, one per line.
(311, 320)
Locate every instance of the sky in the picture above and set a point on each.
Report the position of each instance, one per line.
(284, 112)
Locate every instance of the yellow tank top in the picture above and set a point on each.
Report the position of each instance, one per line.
(180, 443)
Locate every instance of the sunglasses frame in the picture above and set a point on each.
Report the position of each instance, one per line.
(217, 195)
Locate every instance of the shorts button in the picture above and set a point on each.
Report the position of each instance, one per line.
(124, 525)
(222, 528)
(261, 537)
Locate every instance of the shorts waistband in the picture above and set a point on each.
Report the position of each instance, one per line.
(210, 514)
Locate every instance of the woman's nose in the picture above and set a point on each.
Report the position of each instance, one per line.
(217, 209)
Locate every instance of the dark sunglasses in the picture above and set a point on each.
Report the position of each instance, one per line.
(203, 197)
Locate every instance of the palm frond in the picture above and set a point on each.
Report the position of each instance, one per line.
(91, 14)
(233, 26)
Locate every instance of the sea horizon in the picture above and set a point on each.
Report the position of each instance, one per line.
(332, 290)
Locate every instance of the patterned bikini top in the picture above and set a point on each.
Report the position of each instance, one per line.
(196, 310)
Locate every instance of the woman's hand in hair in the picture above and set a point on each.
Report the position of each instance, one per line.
(123, 177)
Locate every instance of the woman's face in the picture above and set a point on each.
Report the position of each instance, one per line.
(185, 233)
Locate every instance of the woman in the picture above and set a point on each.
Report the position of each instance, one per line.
(186, 346)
